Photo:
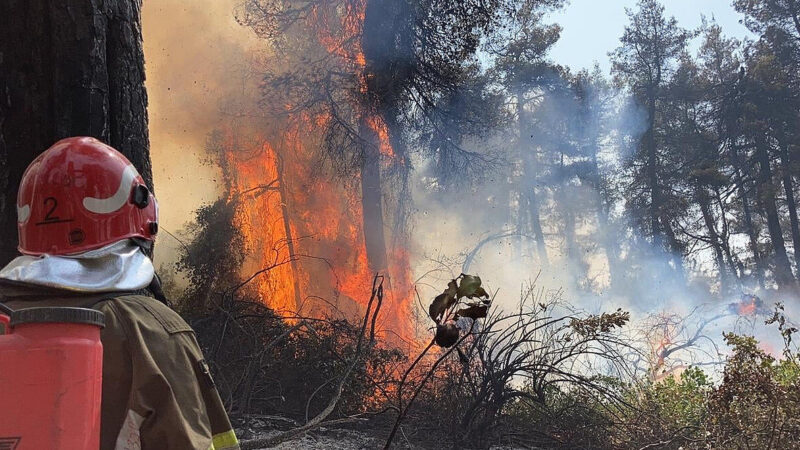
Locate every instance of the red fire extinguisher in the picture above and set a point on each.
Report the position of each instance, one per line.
(51, 369)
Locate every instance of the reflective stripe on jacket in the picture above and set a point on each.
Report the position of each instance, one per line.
(157, 390)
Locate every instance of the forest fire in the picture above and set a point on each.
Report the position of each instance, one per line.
(309, 234)
(748, 305)
(631, 207)
(308, 227)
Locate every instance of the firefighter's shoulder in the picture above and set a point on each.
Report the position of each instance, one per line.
(147, 312)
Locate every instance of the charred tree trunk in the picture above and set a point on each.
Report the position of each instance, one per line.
(287, 227)
(388, 46)
(371, 199)
(399, 181)
(766, 190)
(67, 68)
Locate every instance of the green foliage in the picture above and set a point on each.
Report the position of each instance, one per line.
(756, 405)
(670, 410)
(212, 258)
(682, 401)
(594, 325)
(444, 308)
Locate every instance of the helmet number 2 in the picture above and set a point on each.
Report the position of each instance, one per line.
(50, 203)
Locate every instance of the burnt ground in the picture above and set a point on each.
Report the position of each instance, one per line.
(341, 437)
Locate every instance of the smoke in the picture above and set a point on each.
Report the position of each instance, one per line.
(197, 60)
(476, 227)
(201, 72)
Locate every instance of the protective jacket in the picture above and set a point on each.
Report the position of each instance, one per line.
(157, 389)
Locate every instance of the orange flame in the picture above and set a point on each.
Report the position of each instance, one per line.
(747, 308)
(309, 227)
(662, 339)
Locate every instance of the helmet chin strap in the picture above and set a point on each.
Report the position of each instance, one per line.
(143, 244)
(155, 287)
(157, 291)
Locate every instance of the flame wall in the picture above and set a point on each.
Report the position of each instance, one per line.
(202, 71)
(309, 228)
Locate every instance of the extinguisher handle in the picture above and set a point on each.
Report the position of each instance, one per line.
(5, 324)
(5, 317)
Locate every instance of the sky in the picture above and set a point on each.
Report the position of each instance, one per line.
(592, 28)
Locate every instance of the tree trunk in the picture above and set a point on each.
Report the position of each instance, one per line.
(649, 141)
(608, 241)
(67, 68)
(287, 227)
(788, 188)
(716, 243)
(675, 247)
(528, 183)
(371, 199)
(578, 269)
(605, 236)
(734, 264)
(570, 240)
(766, 190)
(536, 223)
(748, 217)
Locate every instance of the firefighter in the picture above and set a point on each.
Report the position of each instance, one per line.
(85, 220)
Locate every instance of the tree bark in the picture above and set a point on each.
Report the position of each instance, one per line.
(388, 48)
(536, 224)
(608, 240)
(67, 68)
(734, 264)
(570, 239)
(578, 269)
(371, 199)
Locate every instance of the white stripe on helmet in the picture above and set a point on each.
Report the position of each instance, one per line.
(23, 213)
(116, 201)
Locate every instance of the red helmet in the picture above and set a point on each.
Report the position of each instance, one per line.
(79, 195)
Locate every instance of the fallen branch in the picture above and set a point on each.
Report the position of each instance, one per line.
(318, 421)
